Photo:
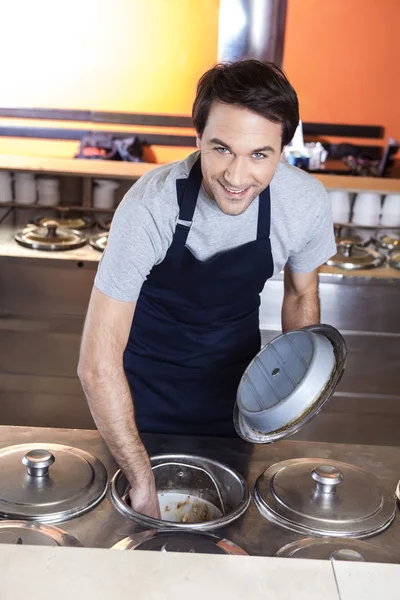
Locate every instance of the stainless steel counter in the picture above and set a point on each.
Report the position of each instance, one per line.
(104, 526)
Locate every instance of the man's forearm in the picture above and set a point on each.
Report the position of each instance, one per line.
(111, 405)
(300, 310)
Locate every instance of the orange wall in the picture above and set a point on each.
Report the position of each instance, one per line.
(147, 55)
(342, 56)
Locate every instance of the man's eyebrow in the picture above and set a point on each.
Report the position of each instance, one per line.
(224, 145)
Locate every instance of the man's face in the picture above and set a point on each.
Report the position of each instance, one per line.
(239, 154)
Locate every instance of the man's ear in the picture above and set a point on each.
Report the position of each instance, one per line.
(198, 141)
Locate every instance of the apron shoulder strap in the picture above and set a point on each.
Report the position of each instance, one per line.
(187, 191)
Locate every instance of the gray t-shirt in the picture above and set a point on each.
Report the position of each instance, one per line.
(144, 224)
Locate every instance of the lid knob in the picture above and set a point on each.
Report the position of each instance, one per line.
(347, 554)
(38, 462)
(177, 546)
(346, 248)
(51, 227)
(327, 478)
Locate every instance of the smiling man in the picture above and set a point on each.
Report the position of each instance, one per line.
(173, 317)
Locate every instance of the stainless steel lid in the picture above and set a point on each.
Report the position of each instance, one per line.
(50, 237)
(179, 541)
(49, 482)
(324, 497)
(350, 257)
(351, 235)
(288, 383)
(337, 549)
(394, 260)
(194, 493)
(99, 241)
(35, 534)
(389, 241)
(69, 222)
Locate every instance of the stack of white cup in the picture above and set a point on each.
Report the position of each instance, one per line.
(104, 193)
(25, 188)
(340, 200)
(25, 194)
(391, 211)
(367, 209)
(48, 191)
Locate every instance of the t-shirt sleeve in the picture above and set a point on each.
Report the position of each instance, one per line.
(320, 243)
(134, 246)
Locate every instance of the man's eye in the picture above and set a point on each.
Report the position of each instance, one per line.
(222, 150)
(258, 155)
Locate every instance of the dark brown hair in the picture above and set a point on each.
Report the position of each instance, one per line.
(260, 87)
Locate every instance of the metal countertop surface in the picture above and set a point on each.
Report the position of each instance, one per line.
(104, 525)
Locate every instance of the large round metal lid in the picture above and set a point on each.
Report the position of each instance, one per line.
(68, 221)
(288, 383)
(50, 237)
(394, 260)
(35, 534)
(335, 549)
(389, 240)
(350, 235)
(49, 482)
(350, 257)
(324, 497)
(179, 541)
(99, 241)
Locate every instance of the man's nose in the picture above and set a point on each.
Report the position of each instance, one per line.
(235, 175)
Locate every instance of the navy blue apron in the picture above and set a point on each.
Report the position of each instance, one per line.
(196, 327)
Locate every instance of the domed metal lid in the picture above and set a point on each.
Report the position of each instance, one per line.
(394, 260)
(49, 482)
(389, 241)
(50, 237)
(324, 497)
(288, 383)
(336, 550)
(350, 257)
(35, 534)
(99, 241)
(69, 222)
(349, 234)
(166, 540)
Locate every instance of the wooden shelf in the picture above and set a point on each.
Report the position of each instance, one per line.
(63, 208)
(127, 170)
(72, 166)
(352, 183)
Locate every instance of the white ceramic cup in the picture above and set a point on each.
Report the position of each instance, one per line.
(340, 201)
(367, 209)
(25, 188)
(48, 191)
(104, 193)
(391, 211)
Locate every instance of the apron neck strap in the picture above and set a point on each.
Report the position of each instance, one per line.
(264, 215)
(187, 191)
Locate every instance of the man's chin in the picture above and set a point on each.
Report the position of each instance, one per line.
(233, 208)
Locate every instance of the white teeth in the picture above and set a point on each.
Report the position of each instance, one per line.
(235, 191)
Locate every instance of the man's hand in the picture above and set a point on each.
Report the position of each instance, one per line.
(301, 305)
(144, 499)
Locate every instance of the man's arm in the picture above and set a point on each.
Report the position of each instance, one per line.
(105, 335)
(301, 306)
